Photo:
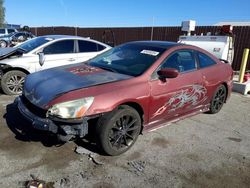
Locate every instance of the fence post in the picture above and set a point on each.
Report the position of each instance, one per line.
(76, 31)
(243, 64)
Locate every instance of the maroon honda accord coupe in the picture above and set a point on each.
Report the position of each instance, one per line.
(130, 89)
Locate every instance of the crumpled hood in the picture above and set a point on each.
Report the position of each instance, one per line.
(8, 52)
(42, 87)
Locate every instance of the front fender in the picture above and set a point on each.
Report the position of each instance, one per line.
(3, 68)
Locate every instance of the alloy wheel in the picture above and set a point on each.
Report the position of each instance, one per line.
(15, 84)
(124, 132)
(219, 99)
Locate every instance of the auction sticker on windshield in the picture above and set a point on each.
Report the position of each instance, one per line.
(150, 52)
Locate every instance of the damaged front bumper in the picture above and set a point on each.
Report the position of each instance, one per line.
(3, 68)
(73, 128)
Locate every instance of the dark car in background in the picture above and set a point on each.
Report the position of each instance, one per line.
(14, 38)
(130, 89)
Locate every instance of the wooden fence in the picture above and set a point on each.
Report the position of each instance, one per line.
(115, 36)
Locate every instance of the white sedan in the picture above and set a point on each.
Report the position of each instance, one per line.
(42, 53)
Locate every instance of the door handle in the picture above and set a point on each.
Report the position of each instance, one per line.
(71, 59)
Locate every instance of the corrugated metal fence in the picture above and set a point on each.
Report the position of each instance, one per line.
(115, 36)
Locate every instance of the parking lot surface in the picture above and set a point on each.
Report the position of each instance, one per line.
(201, 151)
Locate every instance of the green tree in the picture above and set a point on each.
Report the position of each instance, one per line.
(2, 13)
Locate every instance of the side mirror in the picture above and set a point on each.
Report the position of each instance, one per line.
(167, 73)
(41, 58)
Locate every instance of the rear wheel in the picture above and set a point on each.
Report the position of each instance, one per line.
(118, 131)
(12, 82)
(218, 99)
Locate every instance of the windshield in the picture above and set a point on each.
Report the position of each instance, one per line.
(30, 45)
(131, 59)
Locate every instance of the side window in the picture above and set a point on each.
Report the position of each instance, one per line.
(11, 30)
(2, 31)
(60, 47)
(87, 46)
(205, 61)
(181, 60)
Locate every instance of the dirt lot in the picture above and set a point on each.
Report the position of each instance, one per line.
(202, 151)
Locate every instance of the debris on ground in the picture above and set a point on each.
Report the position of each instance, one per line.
(91, 156)
(37, 183)
(82, 150)
(64, 182)
(137, 166)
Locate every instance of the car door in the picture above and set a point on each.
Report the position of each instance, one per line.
(59, 53)
(88, 50)
(176, 96)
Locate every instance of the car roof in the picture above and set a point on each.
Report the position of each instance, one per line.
(7, 28)
(159, 44)
(63, 36)
(58, 37)
(20, 32)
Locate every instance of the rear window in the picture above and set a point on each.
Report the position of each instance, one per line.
(205, 61)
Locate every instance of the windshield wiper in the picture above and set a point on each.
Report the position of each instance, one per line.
(22, 49)
(107, 68)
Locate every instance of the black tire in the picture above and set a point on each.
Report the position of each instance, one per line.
(12, 82)
(117, 131)
(3, 44)
(218, 99)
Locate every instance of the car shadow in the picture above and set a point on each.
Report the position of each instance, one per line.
(89, 142)
(25, 132)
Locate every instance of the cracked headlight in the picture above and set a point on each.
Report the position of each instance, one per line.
(71, 109)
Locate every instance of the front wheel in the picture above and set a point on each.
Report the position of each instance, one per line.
(118, 131)
(3, 44)
(218, 99)
(12, 82)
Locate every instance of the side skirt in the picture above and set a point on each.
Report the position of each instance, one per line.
(157, 125)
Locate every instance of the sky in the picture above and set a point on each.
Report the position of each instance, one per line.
(123, 13)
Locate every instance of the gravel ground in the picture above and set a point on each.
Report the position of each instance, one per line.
(202, 151)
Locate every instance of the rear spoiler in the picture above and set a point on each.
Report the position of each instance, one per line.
(224, 61)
